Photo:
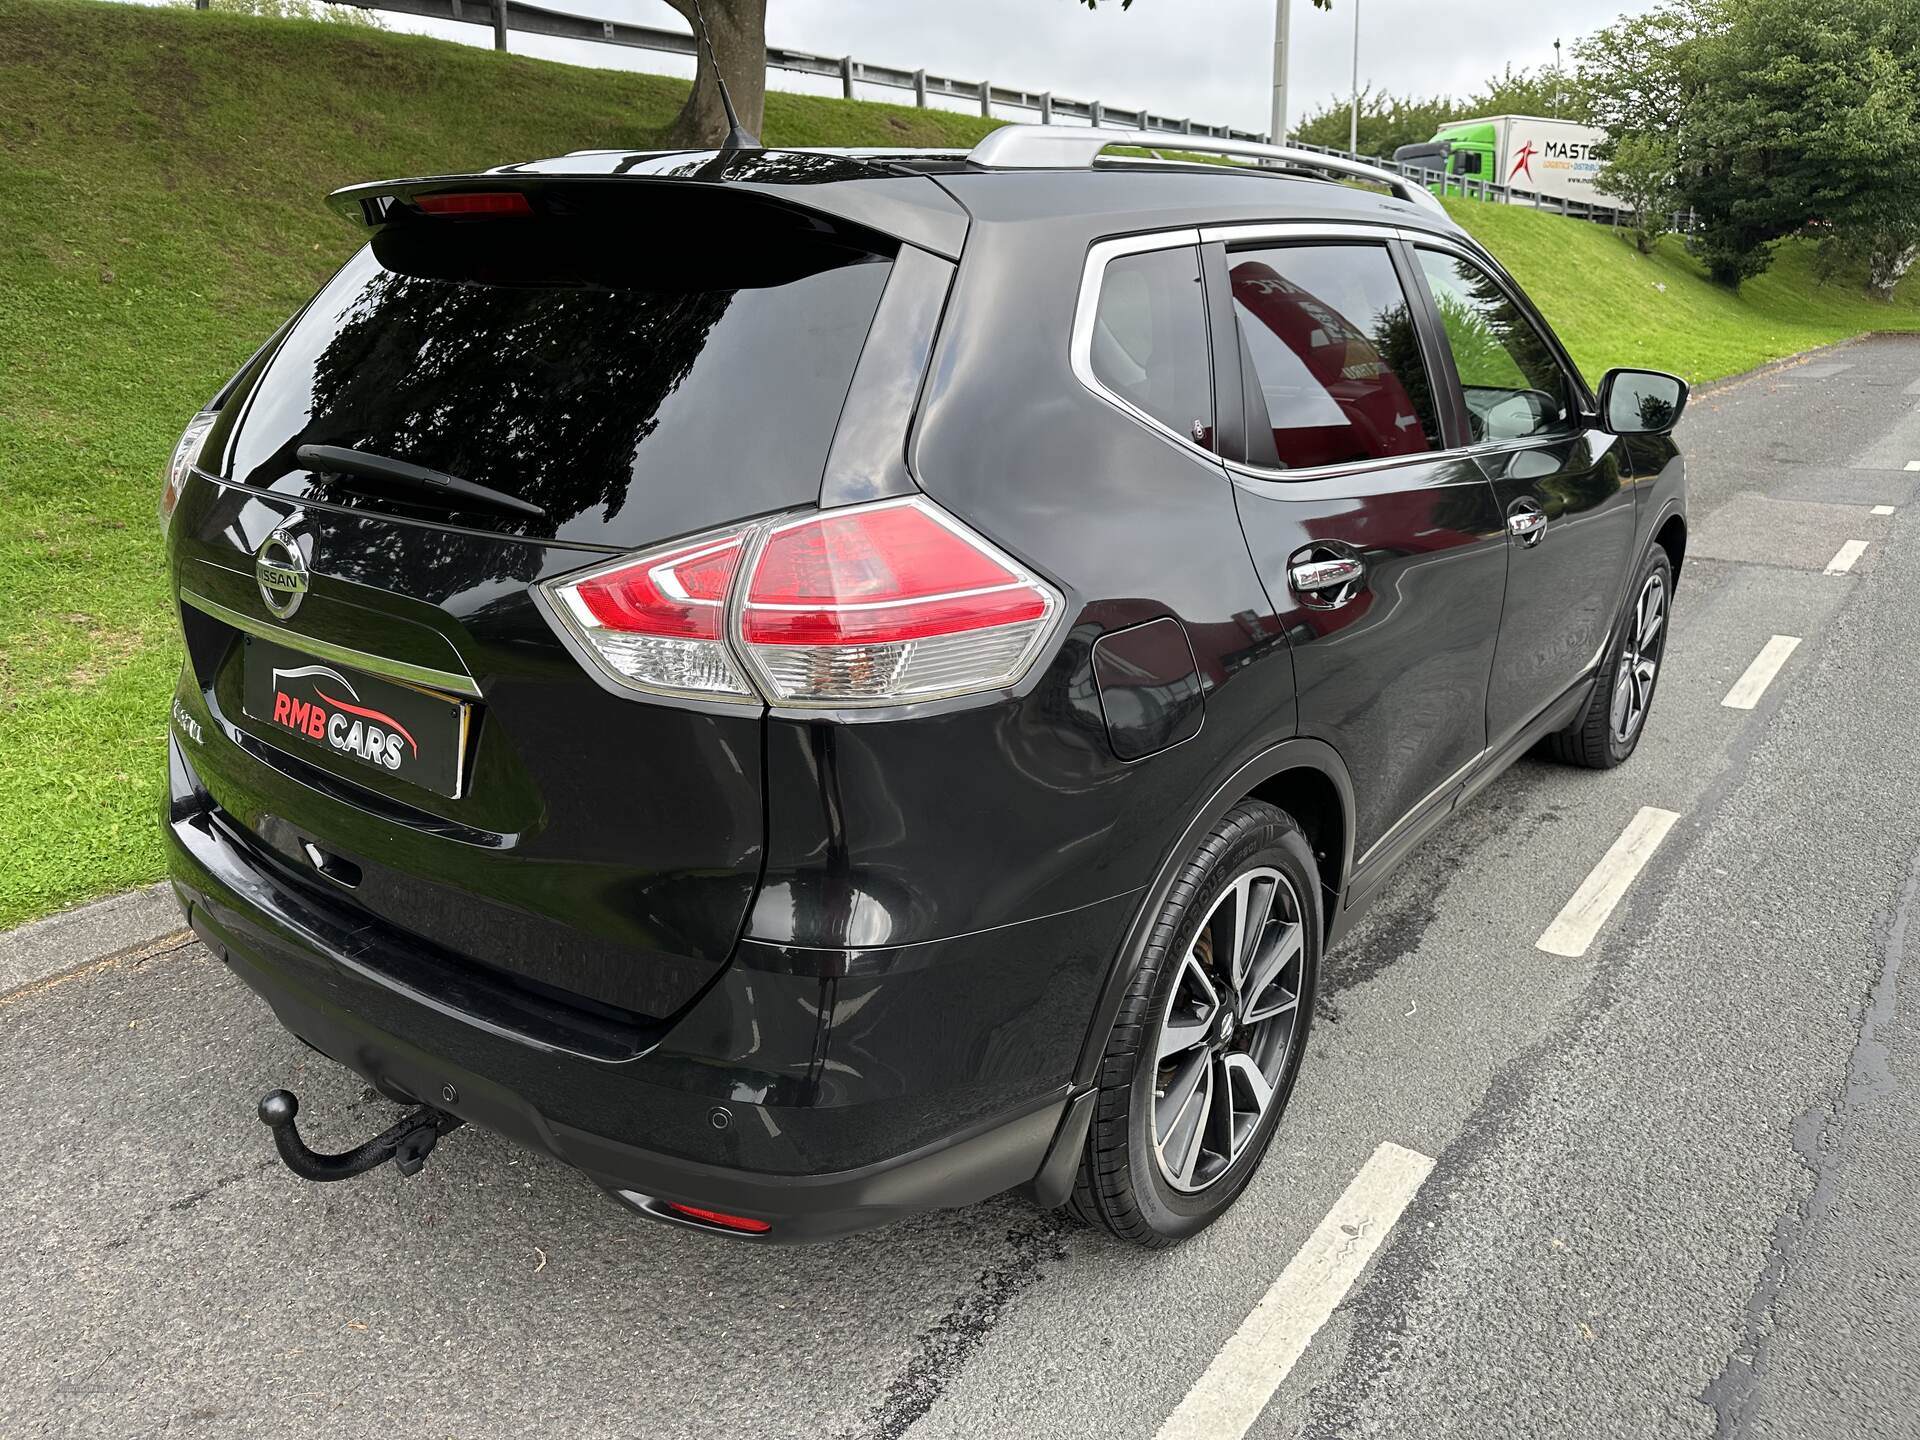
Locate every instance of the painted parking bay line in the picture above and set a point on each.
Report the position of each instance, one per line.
(1226, 1400)
(1844, 557)
(1573, 929)
(1881, 510)
(1748, 689)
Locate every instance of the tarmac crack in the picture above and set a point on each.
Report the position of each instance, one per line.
(1821, 1139)
(945, 1346)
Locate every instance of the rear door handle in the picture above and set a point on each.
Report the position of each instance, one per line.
(1328, 582)
(1527, 521)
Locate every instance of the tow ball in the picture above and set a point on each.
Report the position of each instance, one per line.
(407, 1142)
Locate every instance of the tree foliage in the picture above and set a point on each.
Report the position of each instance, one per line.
(1778, 117)
(1388, 121)
(1641, 171)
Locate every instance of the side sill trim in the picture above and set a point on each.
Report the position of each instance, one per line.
(458, 684)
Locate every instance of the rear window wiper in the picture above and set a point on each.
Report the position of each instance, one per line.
(339, 460)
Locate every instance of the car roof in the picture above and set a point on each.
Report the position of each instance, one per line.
(1124, 193)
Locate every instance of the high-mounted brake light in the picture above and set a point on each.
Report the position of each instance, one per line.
(868, 605)
(186, 454)
(480, 202)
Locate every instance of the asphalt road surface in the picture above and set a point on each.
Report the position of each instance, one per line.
(1673, 1178)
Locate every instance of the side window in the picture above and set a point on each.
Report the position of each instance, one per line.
(1514, 387)
(1330, 341)
(1149, 342)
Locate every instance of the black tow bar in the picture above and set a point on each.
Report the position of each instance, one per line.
(407, 1143)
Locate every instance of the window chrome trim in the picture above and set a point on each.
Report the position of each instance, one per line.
(1080, 349)
(401, 670)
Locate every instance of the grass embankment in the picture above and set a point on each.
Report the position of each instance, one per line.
(1612, 305)
(160, 181)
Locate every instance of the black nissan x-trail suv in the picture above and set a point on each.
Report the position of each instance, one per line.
(817, 685)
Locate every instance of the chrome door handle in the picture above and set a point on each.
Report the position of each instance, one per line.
(1529, 525)
(1312, 579)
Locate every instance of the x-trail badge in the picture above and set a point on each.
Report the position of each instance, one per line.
(281, 571)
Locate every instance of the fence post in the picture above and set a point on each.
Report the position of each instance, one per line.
(1186, 126)
(986, 99)
(920, 88)
(500, 25)
(1096, 114)
(1046, 108)
(200, 4)
(846, 76)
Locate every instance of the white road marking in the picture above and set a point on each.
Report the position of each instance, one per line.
(1748, 689)
(1913, 464)
(1844, 557)
(1226, 1400)
(1573, 929)
(1882, 510)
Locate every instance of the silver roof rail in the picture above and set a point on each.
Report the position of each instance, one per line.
(1073, 147)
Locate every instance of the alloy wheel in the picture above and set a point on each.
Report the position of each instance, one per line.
(1226, 1034)
(1640, 660)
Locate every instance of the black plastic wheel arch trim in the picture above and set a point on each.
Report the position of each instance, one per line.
(1298, 753)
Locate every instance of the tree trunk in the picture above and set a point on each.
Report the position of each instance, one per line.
(739, 32)
(1886, 267)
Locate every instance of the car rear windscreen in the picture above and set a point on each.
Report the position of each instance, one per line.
(636, 380)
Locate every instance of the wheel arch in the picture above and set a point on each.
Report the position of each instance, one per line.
(1672, 537)
(1304, 777)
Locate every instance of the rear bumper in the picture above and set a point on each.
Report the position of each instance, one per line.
(739, 1108)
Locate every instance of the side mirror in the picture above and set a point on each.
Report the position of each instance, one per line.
(1641, 402)
(1466, 162)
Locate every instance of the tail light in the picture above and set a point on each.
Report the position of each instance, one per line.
(186, 453)
(658, 621)
(870, 605)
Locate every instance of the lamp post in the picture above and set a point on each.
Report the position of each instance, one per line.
(1353, 119)
(1278, 130)
(1556, 79)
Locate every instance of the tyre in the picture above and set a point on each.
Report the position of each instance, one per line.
(1204, 1053)
(1615, 718)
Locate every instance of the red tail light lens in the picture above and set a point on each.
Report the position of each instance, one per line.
(658, 621)
(744, 1224)
(870, 605)
(877, 604)
(484, 202)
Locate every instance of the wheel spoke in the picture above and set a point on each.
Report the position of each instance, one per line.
(1255, 901)
(1622, 701)
(1650, 629)
(1188, 1105)
(1280, 952)
(1192, 1009)
(1247, 1096)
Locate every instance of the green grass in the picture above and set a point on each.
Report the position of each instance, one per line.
(161, 173)
(1612, 305)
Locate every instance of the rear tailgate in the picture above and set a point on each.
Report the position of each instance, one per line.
(413, 736)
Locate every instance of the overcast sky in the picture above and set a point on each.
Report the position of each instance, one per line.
(1211, 59)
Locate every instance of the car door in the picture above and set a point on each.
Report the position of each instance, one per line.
(1556, 478)
(1380, 545)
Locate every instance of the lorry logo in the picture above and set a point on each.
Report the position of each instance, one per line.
(1523, 162)
(280, 569)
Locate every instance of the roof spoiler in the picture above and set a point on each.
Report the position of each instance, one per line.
(1060, 147)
